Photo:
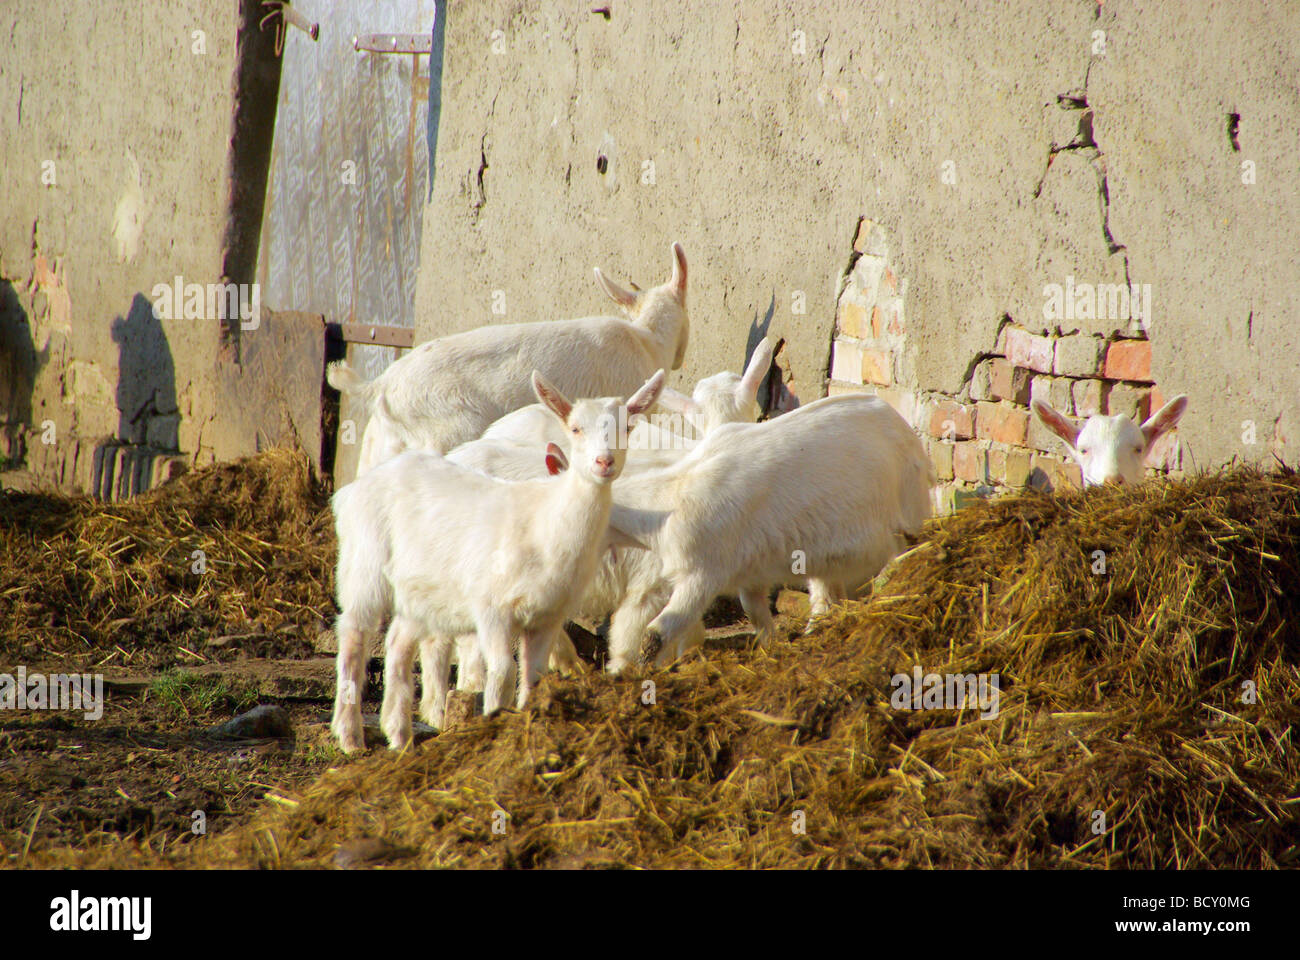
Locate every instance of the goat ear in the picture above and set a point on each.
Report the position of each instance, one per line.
(551, 398)
(642, 400)
(759, 365)
(676, 402)
(1164, 419)
(556, 461)
(678, 281)
(1057, 423)
(624, 298)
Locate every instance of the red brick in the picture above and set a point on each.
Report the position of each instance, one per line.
(1005, 424)
(1009, 382)
(1128, 360)
(952, 421)
(1025, 349)
(875, 321)
(968, 460)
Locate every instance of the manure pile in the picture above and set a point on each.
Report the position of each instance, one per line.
(1126, 707)
(79, 577)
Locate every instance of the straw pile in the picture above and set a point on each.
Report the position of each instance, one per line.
(79, 576)
(1121, 697)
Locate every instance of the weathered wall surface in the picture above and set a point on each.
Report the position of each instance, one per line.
(114, 133)
(999, 146)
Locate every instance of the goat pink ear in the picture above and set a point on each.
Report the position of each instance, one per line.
(624, 298)
(643, 399)
(1164, 419)
(556, 461)
(551, 398)
(678, 282)
(1058, 424)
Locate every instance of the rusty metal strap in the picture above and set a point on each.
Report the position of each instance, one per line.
(402, 337)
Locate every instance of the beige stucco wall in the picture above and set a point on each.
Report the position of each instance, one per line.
(765, 158)
(112, 100)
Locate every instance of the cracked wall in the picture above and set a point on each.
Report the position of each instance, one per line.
(1001, 147)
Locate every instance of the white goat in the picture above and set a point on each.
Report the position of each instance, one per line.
(445, 550)
(1112, 449)
(628, 582)
(446, 391)
(508, 447)
(830, 491)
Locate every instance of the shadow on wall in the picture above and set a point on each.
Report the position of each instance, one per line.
(433, 117)
(148, 417)
(19, 364)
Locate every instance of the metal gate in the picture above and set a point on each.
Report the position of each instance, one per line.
(350, 175)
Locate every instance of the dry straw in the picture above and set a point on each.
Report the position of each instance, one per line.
(78, 576)
(1125, 704)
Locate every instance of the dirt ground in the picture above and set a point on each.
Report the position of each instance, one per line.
(151, 768)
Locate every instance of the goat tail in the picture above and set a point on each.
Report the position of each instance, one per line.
(344, 379)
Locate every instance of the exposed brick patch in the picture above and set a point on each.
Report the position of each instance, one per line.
(982, 438)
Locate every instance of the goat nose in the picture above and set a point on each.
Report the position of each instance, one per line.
(605, 461)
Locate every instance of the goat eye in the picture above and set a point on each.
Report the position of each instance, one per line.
(1084, 450)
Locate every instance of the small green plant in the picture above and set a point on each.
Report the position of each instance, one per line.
(185, 694)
